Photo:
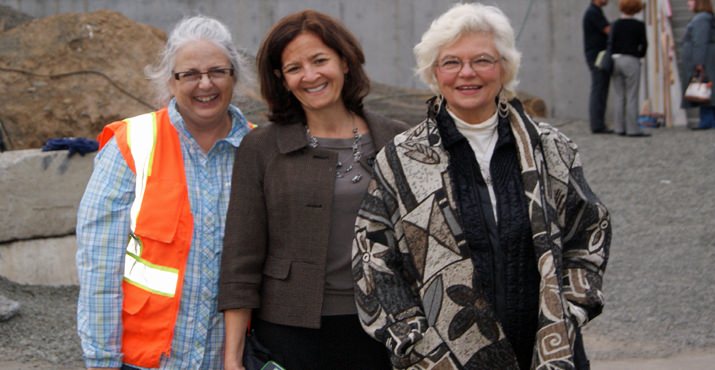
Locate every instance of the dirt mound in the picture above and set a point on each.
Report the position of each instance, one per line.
(70, 74)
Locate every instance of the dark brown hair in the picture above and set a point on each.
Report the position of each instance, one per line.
(283, 106)
(630, 7)
(703, 6)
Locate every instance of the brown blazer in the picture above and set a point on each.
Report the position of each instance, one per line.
(278, 222)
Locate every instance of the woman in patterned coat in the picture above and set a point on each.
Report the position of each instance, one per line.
(480, 244)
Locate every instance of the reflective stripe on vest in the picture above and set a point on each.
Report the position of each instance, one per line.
(162, 280)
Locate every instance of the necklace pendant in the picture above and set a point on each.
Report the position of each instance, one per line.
(356, 178)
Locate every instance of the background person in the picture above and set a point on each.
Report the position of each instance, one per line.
(628, 44)
(480, 244)
(698, 56)
(595, 39)
(161, 182)
(293, 207)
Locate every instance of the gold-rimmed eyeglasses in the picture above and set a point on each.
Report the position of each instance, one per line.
(214, 74)
(481, 63)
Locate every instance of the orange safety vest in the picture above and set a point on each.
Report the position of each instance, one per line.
(160, 236)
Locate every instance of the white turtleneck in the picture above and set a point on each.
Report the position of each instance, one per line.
(482, 137)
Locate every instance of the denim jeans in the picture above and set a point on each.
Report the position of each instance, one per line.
(598, 97)
(707, 116)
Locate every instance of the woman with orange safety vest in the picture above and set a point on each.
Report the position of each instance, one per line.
(151, 222)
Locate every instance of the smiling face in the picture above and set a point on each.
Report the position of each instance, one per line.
(470, 93)
(313, 73)
(204, 103)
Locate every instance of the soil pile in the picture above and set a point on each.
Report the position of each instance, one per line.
(70, 74)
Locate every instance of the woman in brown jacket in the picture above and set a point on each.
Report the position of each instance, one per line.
(297, 187)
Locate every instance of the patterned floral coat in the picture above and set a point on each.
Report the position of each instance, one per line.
(413, 269)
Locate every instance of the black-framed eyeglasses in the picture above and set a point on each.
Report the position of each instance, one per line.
(194, 75)
(479, 64)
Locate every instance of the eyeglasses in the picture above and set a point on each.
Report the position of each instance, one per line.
(479, 64)
(214, 74)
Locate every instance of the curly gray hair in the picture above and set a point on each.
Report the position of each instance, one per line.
(192, 29)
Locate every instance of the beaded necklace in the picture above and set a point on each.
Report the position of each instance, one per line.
(357, 154)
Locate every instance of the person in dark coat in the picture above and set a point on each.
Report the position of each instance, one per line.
(697, 56)
(595, 39)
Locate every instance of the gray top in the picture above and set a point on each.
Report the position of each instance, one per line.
(338, 293)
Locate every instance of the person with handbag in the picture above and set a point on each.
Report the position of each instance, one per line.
(286, 265)
(698, 58)
(628, 44)
(595, 40)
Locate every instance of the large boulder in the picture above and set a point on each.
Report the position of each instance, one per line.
(68, 75)
(39, 193)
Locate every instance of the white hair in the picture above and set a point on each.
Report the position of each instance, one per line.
(193, 29)
(464, 19)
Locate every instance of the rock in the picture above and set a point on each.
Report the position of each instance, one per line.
(40, 193)
(8, 308)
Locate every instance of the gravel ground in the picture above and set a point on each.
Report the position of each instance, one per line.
(658, 285)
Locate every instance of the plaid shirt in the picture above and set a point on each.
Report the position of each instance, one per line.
(102, 229)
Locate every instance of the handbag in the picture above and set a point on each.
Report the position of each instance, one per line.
(604, 60)
(699, 90)
(256, 356)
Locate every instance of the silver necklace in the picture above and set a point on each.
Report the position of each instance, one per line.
(356, 154)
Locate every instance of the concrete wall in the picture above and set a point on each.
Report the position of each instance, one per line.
(551, 39)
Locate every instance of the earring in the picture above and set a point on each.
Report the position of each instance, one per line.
(503, 106)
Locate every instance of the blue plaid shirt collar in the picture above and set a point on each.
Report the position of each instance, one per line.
(239, 125)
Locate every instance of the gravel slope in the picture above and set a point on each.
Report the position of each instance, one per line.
(659, 283)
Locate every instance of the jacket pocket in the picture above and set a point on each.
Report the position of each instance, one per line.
(277, 268)
(162, 206)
